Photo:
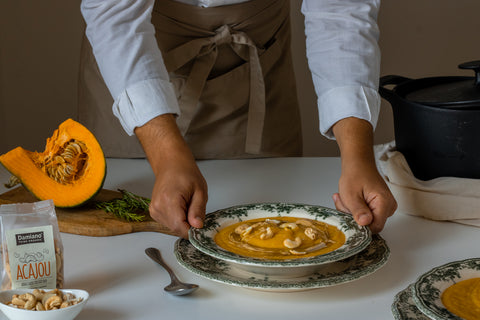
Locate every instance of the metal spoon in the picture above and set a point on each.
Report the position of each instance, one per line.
(176, 287)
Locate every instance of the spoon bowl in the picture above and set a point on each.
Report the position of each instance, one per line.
(176, 287)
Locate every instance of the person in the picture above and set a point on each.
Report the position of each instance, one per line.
(209, 79)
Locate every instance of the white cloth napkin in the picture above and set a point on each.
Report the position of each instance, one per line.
(444, 198)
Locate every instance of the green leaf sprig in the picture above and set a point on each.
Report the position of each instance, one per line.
(130, 207)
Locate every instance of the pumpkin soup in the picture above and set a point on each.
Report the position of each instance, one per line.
(463, 299)
(279, 238)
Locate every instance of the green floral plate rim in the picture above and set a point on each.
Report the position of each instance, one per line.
(427, 290)
(357, 237)
(352, 268)
(404, 308)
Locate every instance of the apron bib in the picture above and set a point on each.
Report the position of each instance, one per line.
(232, 71)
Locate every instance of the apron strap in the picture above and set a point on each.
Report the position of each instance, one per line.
(204, 51)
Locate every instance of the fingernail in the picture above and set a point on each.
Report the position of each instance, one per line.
(199, 221)
(364, 219)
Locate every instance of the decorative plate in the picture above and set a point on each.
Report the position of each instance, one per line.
(428, 289)
(404, 308)
(355, 267)
(357, 237)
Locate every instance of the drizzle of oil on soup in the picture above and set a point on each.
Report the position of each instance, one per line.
(280, 238)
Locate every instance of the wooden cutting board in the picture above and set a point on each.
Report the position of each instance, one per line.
(87, 220)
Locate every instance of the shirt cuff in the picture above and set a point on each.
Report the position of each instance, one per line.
(143, 101)
(350, 101)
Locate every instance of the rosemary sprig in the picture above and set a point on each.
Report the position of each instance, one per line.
(130, 207)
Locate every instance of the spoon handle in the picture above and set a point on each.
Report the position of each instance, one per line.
(156, 256)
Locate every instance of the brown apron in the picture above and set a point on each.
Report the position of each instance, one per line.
(232, 70)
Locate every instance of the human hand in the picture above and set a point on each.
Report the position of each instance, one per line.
(364, 194)
(179, 196)
(361, 190)
(180, 192)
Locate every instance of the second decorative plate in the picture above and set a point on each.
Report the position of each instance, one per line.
(352, 268)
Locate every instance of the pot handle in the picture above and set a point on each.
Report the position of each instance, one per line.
(388, 80)
(475, 66)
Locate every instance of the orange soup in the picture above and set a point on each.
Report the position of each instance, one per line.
(463, 299)
(279, 238)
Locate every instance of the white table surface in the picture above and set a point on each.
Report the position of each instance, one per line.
(125, 284)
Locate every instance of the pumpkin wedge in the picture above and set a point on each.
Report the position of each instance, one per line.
(70, 171)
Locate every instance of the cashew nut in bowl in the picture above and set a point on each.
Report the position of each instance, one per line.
(268, 234)
(247, 231)
(241, 228)
(290, 225)
(274, 221)
(17, 302)
(292, 244)
(53, 302)
(38, 294)
(40, 300)
(30, 301)
(311, 233)
(39, 306)
(304, 222)
(297, 252)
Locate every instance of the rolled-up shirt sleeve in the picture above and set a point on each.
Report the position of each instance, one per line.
(344, 58)
(123, 41)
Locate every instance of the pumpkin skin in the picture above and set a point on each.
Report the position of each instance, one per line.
(70, 171)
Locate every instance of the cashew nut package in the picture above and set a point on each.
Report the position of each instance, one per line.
(32, 250)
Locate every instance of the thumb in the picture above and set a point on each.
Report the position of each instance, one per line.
(356, 207)
(362, 214)
(196, 210)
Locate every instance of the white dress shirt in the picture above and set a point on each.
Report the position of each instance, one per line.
(342, 52)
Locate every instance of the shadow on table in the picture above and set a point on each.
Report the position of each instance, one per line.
(95, 313)
(101, 281)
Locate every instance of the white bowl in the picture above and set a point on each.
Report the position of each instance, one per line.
(68, 313)
(357, 237)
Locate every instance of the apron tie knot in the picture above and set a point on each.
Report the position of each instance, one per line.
(203, 51)
(222, 36)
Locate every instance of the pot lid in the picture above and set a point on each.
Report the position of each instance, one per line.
(448, 92)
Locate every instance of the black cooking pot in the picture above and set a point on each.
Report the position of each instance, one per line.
(437, 123)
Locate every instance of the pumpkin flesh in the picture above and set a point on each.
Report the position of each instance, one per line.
(70, 171)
